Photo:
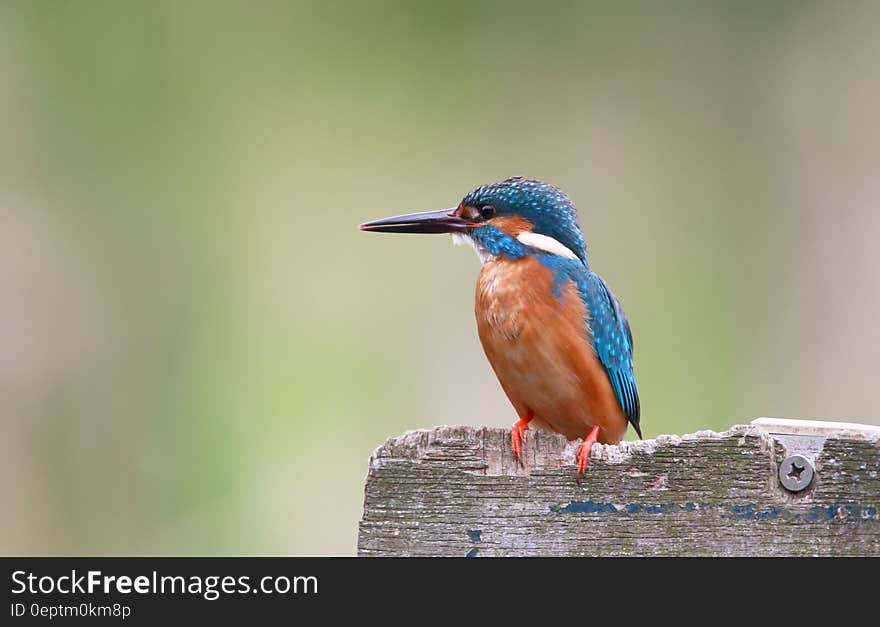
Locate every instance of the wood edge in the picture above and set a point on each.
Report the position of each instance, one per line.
(412, 444)
(821, 428)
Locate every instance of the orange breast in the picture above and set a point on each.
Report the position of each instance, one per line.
(539, 348)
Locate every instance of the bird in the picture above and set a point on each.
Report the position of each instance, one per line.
(553, 331)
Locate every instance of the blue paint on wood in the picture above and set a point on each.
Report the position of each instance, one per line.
(664, 508)
(752, 512)
(472, 553)
(747, 511)
(585, 507)
(475, 535)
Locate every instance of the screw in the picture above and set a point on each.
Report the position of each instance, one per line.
(796, 473)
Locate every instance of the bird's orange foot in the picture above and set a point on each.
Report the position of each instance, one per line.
(583, 452)
(518, 433)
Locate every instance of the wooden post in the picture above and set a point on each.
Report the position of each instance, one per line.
(456, 491)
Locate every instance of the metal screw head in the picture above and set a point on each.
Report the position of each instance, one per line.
(795, 473)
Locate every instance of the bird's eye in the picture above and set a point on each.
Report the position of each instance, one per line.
(487, 212)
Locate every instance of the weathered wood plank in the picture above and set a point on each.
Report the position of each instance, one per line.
(456, 491)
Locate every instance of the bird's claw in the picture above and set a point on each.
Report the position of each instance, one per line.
(583, 458)
(583, 453)
(517, 435)
(516, 439)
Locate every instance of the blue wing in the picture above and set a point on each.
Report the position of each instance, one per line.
(609, 330)
(613, 343)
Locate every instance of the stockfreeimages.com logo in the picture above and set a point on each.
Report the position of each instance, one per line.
(209, 587)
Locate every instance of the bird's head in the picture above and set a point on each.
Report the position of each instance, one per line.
(512, 217)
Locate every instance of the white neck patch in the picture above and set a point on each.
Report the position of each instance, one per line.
(460, 239)
(530, 239)
(546, 243)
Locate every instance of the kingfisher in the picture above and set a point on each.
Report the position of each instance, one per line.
(552, 330)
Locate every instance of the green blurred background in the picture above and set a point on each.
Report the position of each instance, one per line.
(199, 348)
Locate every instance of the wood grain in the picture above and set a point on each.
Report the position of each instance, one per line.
(456, 491)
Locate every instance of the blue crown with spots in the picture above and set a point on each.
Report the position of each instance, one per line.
(549, 210)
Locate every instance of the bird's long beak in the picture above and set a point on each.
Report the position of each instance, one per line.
(444, 221)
